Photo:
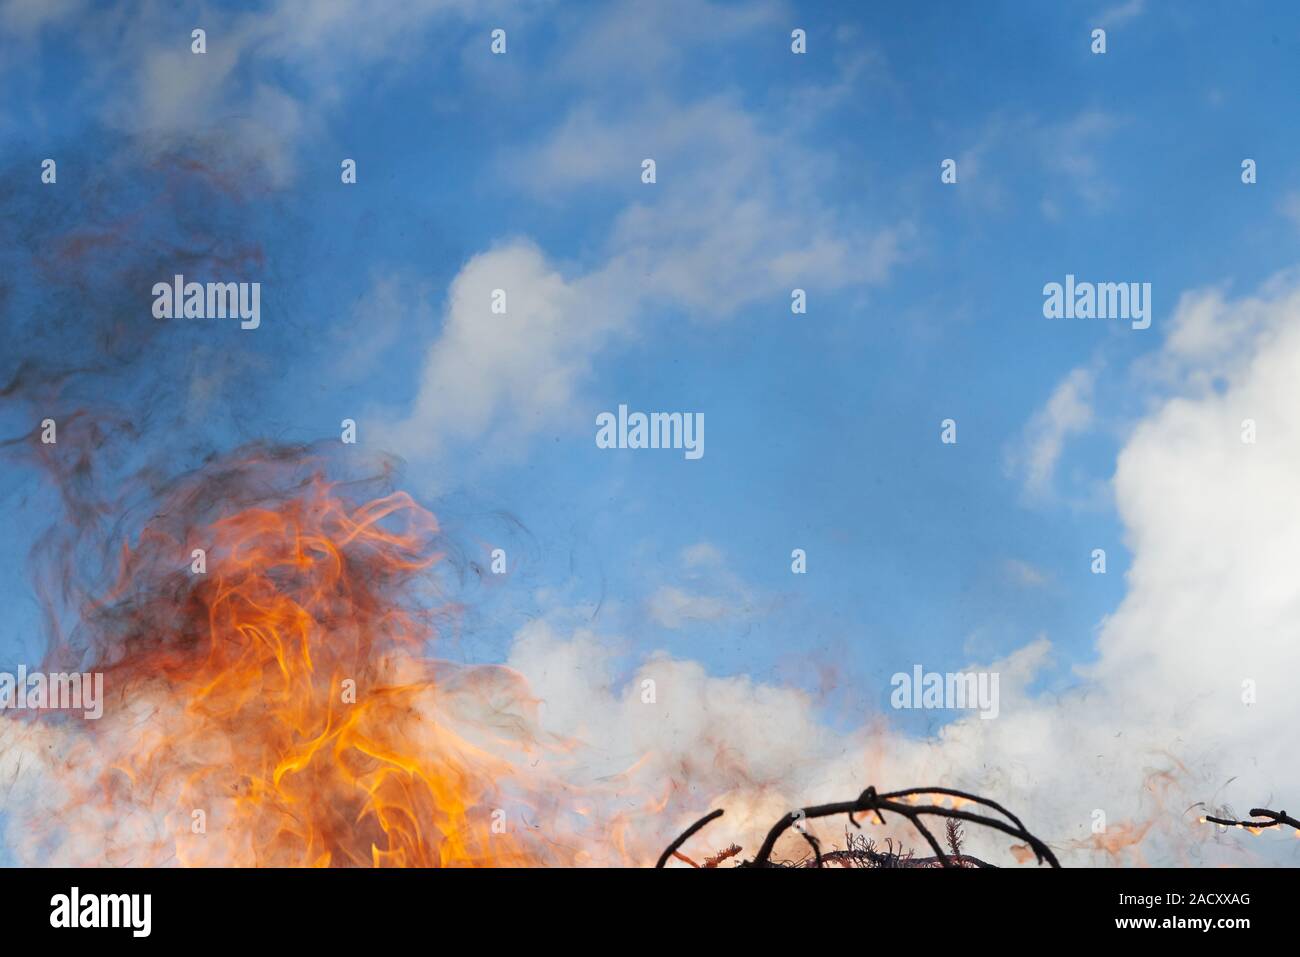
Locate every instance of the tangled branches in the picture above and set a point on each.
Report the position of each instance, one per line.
(893, 802)
(860, 851)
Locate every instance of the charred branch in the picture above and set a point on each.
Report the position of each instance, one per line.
(1270, 819)
(686, 836)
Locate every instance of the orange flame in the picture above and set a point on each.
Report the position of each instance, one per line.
(279, 708)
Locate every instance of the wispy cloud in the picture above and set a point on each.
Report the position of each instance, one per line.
(737, 216)
(1024, 574)
(1121, 13)
(706, 590)
(268, 79)
(1068, 412)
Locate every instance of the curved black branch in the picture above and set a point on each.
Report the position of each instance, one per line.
(973, 798)
(1272, 819)
(687, 835)
(934, 845)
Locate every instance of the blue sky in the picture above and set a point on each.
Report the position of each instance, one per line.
(819, 171)
(822, 429)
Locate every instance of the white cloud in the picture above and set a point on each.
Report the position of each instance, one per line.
(507, 376)
(1068, 412)
(1214, 528)
(706, 590)
(736, 215)
(672, 607)
(735, 218)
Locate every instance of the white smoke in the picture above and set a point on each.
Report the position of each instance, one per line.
(1159, 723)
